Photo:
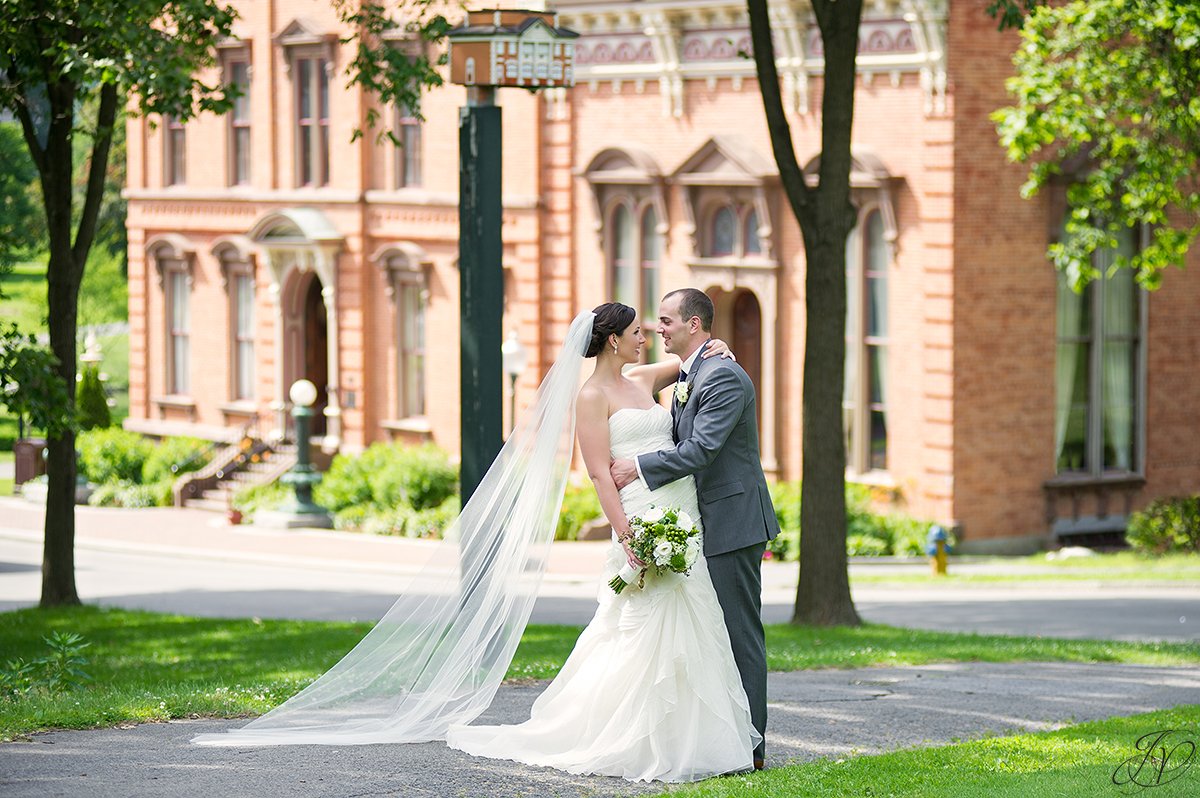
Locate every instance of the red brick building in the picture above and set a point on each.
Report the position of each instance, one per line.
(265, 246)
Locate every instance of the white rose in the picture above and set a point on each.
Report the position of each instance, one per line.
(652, 516)
(681, 392)
(685, 522)
(663, 552)
(691, 554)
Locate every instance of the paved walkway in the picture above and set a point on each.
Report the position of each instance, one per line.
(814, 714)
(189, 561)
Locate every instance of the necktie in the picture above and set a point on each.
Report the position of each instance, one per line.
(682, 376)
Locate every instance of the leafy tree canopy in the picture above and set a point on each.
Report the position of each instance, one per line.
(30, 385)
(1107, 100)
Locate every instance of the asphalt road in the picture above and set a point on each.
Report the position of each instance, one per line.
(227, 586)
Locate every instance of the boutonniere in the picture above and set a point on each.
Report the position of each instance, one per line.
(681, 392)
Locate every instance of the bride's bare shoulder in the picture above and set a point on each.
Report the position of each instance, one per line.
(593, 396)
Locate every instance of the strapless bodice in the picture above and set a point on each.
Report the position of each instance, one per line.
(635, 430)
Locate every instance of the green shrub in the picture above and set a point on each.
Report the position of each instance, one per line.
(785, 496)
(419, 477)
(432, 522)
(112, 455)
(107, 494)
(388, 476)
(345, 484)
(580, 505)
(865, 546)
(267, 496)
(1166, 526)
(128, 494)
(868, 533)
(392, 522)
(182, 452)
(91, 400)
(350, 519)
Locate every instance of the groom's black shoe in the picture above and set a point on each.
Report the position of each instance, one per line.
(759, 764)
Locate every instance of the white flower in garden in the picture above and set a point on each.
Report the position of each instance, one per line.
(663, 552)
(653, 515)
(685, 522)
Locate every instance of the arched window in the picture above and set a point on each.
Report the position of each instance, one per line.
(623, 263)
(651, 255)
(237, 267)
(405, 265)
(750, 234)
(864, 400)
(724, 232)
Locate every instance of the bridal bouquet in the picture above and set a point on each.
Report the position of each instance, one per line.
(664, 539)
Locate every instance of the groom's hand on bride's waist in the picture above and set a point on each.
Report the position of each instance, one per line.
(623, 472)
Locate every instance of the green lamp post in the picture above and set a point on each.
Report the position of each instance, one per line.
(300, 510)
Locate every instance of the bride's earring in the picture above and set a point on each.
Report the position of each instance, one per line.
(614, 349)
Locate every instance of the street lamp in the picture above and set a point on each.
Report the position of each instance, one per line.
(514, 357)
(493, 48)
(301, 511)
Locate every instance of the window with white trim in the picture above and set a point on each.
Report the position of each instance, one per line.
(311, 76)
(865, 387)
(1099, 374)
(238, 70)
(174, 152)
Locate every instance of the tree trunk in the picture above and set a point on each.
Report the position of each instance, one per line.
(825, 216)
(63, 277)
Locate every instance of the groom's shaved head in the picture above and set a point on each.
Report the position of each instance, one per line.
(694, 302)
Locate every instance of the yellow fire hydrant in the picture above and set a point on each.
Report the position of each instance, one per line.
(936, 546)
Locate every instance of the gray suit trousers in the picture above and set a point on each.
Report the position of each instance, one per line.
(737, 578)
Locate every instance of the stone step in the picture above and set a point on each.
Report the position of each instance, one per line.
(208, 504)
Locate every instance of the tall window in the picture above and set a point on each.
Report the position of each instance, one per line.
(410, 348)
(636, 254)
(408, 153)
(178, 331)
(1098, 371)
(312, 120)
(732, 232)
(624, 247)
(864, 396)
(174, 152)
(242, 312)
(239, 125)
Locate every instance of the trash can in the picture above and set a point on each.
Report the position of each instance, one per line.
(29, 460)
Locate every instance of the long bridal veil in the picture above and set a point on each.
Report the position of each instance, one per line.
(439, 654)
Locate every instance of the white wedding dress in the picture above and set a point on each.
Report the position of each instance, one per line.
(651, 691)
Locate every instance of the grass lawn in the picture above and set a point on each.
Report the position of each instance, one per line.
(146, 666)
(1125, 566)
(1076, 762)
(6, 483)
(24, 290)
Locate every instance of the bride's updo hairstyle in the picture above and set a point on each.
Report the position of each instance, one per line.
(612, 318)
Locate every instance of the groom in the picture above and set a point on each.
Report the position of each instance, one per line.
(716, 434)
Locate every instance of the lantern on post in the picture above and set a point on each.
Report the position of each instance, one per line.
(492, 48)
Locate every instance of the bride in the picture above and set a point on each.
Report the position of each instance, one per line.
(650, 692)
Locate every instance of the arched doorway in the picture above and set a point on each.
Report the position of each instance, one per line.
(316, 348)
(738, 322)
(747, 339)
(306, 342)
(302, 247)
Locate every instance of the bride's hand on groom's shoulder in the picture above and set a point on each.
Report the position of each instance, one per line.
(718, 348)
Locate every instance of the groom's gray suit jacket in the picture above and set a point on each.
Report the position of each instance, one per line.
(717, 431)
